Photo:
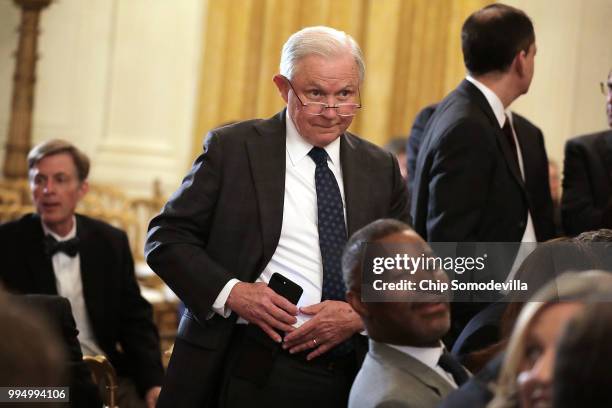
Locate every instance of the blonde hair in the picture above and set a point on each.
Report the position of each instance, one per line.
(588, 286)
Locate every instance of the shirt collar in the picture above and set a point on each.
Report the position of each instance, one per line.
(68, 236)
(426, 355)
(493, 100)
(298, 147)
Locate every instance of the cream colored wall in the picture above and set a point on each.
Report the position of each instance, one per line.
(119, 79)
(574, 55)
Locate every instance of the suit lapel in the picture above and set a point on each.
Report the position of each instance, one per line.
(267, 159)
(477, 96)
(410, 365)
(354, 177)
(92, 270)
(39, 264)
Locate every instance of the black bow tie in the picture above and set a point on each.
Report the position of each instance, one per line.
(69, 247)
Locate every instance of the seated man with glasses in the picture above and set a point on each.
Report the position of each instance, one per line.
(586, 204)
(280, 195)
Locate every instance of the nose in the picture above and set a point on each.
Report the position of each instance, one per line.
(542, 369)
(49, 187)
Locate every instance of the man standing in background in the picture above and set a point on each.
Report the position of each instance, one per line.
(587, 177)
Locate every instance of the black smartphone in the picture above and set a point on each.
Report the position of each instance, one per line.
(285, 287)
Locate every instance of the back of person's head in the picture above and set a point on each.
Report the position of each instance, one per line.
(354, 249)
(323, 41)
(31, 355)
(576, 287)
(58, 146)
(582, 373)
(492, 36)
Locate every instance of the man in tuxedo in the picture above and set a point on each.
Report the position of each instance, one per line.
(56, 251)
(276, 195)
(479, 176)
(586, 203)
(407, 364)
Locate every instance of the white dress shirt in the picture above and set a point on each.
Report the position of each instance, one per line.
(298, 255)
(68, 282)
(500, 114)
(428, 356)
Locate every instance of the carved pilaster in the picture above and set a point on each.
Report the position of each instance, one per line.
(20, 127)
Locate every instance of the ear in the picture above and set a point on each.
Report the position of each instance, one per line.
(354, 299)
(83, 189)
(520, 62)
(283, 87)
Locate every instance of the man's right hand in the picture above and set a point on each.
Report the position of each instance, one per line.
(260, 305)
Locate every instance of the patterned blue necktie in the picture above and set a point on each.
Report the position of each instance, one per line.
(332, 230)
(332, 236)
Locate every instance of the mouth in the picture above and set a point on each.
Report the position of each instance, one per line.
(50, 206)
(430, 307)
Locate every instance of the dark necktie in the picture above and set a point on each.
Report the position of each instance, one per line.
(452, 366)
(69, 247)
(332, 236)
(507, 129)
(332, 230)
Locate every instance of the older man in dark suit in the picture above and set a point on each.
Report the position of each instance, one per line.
(587, 177)
(266, 196)
(56, 251)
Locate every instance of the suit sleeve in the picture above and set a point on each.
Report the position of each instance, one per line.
(459, 184)
(579, 212)
(176, 242)
(138, 334)
(400, 205)
(546, 212)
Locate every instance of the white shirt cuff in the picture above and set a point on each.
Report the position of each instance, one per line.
(219, 306)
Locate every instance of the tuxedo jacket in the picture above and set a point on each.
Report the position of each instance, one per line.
(58, 314)
(121, 319)
(468, 186)
(225, 222)
(390, 378)
(587, 183)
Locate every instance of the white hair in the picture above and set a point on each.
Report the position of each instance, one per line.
(320, 40)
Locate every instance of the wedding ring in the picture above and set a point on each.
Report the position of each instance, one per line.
(314, 341)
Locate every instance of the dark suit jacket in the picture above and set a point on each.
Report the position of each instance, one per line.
(415, 140)
(467, 185)
(58, 313)
(587, 183)
(225, 222)
(119, 315)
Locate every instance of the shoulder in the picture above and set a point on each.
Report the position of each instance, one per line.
(525, 123)
(588, 140)
(22, 226)
(241, 131)
(365, 147)
(99, 228)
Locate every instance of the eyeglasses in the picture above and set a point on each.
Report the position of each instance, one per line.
(317, 108)
(606, 87)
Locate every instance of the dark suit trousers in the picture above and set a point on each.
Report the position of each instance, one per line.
(288, 381)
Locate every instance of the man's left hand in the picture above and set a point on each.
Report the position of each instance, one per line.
(332, 322)
(151, 396)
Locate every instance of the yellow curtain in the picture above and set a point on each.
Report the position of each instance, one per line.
(412, 53)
